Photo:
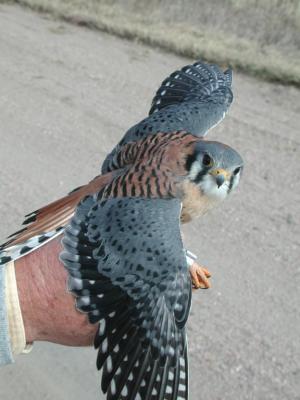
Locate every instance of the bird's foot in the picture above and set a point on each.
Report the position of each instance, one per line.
(199, 276)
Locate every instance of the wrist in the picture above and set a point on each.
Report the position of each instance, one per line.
(47, 308)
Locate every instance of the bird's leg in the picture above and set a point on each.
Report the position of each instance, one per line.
(199, 276)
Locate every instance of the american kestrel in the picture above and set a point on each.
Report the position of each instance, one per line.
(122, 247)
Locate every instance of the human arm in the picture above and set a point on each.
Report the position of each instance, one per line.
(47, 307)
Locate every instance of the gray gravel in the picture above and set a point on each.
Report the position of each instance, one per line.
(67, 95)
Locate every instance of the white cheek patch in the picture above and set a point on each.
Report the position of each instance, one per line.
(210, 188)
(194, 171)
(236, 180)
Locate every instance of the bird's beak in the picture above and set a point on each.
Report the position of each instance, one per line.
(221, 175)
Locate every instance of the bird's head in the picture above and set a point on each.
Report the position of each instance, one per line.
(214, 168)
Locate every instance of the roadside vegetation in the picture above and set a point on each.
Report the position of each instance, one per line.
(260, 37)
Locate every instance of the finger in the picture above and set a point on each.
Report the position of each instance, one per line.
(195, 279)
(205, 284)
(206, 272)
(203, 279)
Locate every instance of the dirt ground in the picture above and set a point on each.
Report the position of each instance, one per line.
(67, 95)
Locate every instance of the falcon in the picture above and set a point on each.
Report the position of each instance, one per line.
(123, 250)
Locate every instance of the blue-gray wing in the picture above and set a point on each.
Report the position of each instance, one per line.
(128, 270)
(198, 83)
(194, 99)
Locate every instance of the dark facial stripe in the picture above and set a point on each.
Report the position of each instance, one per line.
(231, 183)
(200, 175)
(189, 161)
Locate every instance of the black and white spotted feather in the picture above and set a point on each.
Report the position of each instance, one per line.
(14, 252)
(199, 82)
(194, 99)
(48, 222)
(128, 269)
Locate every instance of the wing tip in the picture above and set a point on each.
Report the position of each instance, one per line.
(194, 81)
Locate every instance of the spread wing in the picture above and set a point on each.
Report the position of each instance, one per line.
(200, 84)
(194, 99)
(128, 270)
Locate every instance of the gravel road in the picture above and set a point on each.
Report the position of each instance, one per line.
(67, 94)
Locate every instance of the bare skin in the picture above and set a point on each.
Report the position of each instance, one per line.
(48, 309)
(199, 276)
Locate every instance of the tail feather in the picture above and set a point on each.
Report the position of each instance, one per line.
(48, 222)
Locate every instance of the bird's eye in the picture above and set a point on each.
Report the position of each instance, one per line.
(236, 171)
(207, 160)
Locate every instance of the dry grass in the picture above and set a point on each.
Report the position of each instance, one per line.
(258, 37)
